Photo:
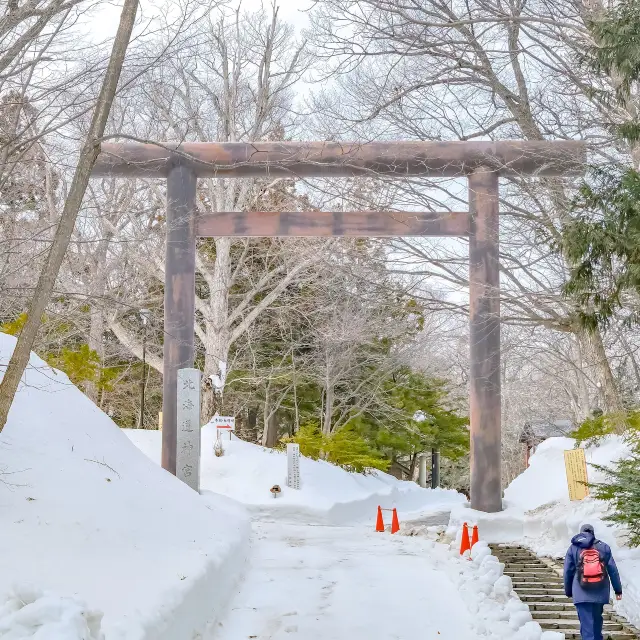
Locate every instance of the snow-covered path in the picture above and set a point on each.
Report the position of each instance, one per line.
(340, 583)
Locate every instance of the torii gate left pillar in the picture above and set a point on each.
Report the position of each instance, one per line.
(481, 162)
(179, 299)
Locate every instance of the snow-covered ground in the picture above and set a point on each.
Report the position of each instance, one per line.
(329, 583)
(539, 514)
(317, 568)
(94, 537)
(328, 495)
(99, 543)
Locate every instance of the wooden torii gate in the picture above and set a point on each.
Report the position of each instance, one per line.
(481, 162)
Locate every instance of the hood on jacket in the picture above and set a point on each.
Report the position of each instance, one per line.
(583, 540)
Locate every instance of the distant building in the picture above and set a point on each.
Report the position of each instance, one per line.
(533, 433)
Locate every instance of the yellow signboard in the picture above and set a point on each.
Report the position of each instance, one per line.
(576, 466)
(160, 420)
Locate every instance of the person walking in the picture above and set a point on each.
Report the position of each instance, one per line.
(589, 573)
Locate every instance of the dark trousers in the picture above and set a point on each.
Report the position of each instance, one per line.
(590, 620)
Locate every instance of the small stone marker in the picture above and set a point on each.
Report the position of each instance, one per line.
(188, 436)
(293, 466)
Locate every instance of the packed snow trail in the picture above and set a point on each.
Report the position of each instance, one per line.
(336, 583)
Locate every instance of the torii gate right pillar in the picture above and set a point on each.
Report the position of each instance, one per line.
(484, 342)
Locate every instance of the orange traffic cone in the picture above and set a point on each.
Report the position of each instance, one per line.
(395, 525)
(474, 535)
(379, 521)
(465, 545)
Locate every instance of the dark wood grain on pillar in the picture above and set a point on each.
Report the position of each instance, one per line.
(369, 224)
(484, 336)
(179, 299)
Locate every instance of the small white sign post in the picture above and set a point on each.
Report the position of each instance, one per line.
(224, 422)
(293, 466)
(188, 436)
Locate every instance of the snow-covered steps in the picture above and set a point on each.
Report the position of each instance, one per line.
(538, 583)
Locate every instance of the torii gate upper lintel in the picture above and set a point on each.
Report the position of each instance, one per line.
(481, 162)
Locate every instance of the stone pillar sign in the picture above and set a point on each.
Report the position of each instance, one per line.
(188, 432)
(293, 466)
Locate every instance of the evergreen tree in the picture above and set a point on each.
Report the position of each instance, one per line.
(345, 448)
(603, 240)
(622, 491)
(622, 487)
(414, 415)
(599, 425)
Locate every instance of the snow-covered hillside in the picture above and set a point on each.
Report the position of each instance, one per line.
(96, 538)
(539, 514)
(329, 494)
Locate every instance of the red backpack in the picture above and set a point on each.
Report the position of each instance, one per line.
(591, 569)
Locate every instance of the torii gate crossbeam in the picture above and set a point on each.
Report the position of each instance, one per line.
(481, 162)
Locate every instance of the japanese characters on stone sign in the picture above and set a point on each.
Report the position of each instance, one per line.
(188, 434)
(293, 466)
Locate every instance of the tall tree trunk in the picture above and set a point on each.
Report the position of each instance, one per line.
(88, 155)
(270, 422)
(592, 341)
(272, 430)
(218, 337)
(252, 423)
(96, 332)
(97, 320)
(582, 402)
(328, 407)
(412, 468)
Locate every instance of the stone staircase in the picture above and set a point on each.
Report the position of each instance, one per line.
(538, 583)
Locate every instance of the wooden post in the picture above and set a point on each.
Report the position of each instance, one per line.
(484, 342)
(435, 468)
(179, 299)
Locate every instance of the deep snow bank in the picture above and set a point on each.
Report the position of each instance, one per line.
(90, 526)
(329, 494)
(539, 514)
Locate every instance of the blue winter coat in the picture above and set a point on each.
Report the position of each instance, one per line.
(596, 594)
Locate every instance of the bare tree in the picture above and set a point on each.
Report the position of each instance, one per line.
(432, 69)
(233, 82)
(89, 153)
